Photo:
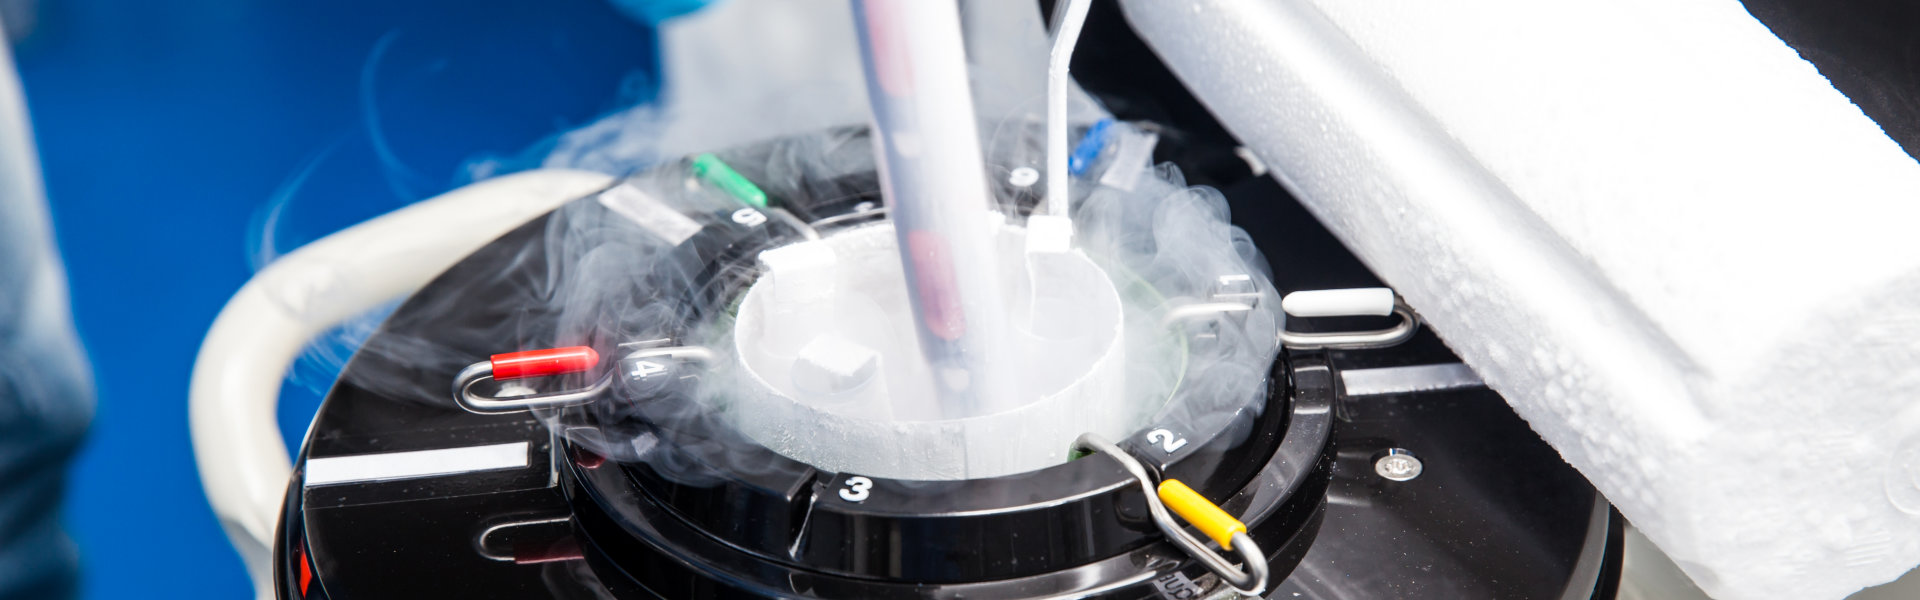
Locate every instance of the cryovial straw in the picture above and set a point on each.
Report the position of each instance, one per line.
(934, 183)
(1071, 16)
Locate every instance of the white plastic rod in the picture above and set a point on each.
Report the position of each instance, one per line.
(1067, 33)
(1354, 302)
(237, 442)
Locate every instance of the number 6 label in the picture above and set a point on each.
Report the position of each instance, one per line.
(749, 217)
(856, 489)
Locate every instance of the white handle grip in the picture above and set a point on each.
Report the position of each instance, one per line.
(236, 378)
(1356, 302)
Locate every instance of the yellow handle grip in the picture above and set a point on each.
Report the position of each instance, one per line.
(1203, 514)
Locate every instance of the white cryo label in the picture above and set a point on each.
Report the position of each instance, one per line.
(648, 212)
(1166, 439)
(856, 489)
(415, 464)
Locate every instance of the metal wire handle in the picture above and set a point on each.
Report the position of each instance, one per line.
(480, 545)
(1358, 340)
(1344, 340)
(1251, 582)
(476, 402)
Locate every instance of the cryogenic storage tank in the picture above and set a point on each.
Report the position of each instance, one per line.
(611, 432)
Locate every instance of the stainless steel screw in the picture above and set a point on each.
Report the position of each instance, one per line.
(1398, 465)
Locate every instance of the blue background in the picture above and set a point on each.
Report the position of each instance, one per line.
(166, 129)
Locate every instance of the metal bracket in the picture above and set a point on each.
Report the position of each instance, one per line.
(483, 547)
(1358, 340)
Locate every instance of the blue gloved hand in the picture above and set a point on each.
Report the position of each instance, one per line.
(652, 12)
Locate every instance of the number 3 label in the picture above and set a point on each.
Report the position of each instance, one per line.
(856, 489)
(1166, 439)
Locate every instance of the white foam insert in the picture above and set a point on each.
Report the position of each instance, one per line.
(856, 393)
(1680, 254)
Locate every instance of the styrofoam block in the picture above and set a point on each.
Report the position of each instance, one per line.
(1072, 375)
(1678, 252)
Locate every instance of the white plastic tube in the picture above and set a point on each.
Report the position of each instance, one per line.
(1072, 16)
(237, 442)
(1353, 302)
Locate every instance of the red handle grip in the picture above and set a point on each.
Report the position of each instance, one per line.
(541, 363)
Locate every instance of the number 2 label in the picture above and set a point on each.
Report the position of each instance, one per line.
(1166, 439)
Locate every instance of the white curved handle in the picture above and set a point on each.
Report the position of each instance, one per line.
(237, 442)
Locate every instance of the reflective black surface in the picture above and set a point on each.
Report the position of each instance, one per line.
(1869, 49)
(1494, 514)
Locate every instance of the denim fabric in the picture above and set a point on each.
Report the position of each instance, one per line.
(46, 394)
